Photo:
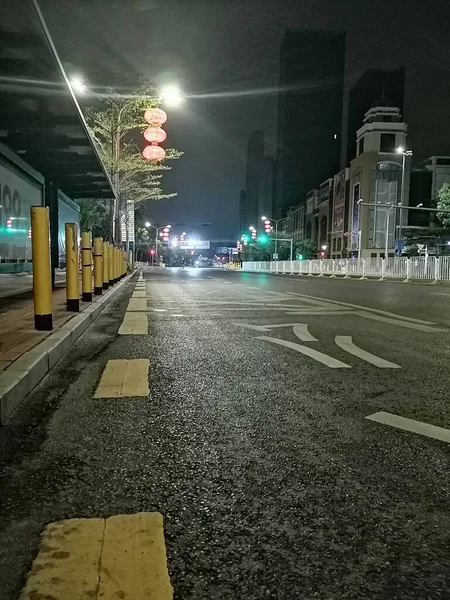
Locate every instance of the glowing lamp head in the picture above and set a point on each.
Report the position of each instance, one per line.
(155, 135)
(154, 153)
(155, 116)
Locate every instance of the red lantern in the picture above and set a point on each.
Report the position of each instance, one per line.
(155, 134)
(155, 116)
(154, 153)
(267, 226)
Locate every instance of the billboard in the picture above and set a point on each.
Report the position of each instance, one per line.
(195, 245)
(18, 194)
(339, 189)
(354, 216)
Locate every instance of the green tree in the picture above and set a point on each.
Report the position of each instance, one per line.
(444, 204)
(94, 216)
(305, 248)
(116, 125)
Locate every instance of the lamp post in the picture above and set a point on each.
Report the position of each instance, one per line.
(404, 153)
(276, 221)
(157, 230)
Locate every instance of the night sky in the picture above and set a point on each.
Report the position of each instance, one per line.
(224, 55)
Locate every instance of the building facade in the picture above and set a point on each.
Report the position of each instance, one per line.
(339, 215)
(373, 85)
(375, 181)
(309, 113)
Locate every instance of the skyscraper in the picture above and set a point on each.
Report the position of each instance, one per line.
(309, 113)
(259, 187)
(255, 153)
(373, 86)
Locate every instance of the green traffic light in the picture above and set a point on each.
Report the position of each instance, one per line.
(263, 239)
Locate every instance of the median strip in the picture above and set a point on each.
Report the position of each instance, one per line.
(123, 556)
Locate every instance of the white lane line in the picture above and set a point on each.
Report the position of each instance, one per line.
(158, 309)
(366, 308)
(308, 311)
(329, 361)
(345, 342)
(431, 431)
(301, 331)
(407, 324)
(253, 288)
(177, 315)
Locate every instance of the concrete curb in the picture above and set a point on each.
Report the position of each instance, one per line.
(18, 380)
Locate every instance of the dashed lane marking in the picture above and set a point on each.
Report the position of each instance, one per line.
(134, 323)
(137, 304)
(431, 431)
(345, 343)
(160, 310)
(329, 361)
(124, 379)
(123, 556)
(139, 294)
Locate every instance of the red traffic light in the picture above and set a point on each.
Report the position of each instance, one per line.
(267, 226)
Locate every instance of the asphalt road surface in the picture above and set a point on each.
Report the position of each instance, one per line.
(254, 442)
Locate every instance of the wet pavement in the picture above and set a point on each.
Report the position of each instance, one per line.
(253, 442)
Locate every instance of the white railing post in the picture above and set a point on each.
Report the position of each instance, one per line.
(333, 272)
(436, 269)
(292, 267)
(346, 276)
(383, 269)
(408, 270)
(321, 268)
(310, 268)
(363, 275)
(283, 272)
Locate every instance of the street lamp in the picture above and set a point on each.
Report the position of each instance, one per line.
(172, 96)
(276, 221)
(78, 85)
(157, 230)
(401, 150)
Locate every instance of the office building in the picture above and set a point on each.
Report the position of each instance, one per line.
(309, 113)
(258, 197)
(373, 86)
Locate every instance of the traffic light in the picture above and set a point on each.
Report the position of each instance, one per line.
(166, 231)
(253, 234)
(300, 257)
(244, 238)
(263, 239)
(267, 226)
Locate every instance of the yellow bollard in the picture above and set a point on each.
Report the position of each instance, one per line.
(124, 264)
(105, 266)
(72, 281)
(98, 266)
(86, 267)
(110, 263)
(113, 264)
(42, 276)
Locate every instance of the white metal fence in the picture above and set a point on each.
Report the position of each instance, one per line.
(424, 267)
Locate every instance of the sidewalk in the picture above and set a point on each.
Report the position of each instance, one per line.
(26, 355)
(17, 332)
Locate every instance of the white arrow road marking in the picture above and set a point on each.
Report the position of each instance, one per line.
(301, 331)
(329, 361)
(345, 342)
(437, 433)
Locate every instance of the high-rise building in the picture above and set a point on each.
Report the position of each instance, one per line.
(265, 199)
(255, 154)
(242, 213)
(259, 186)
(373, 86)
(309, 113)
